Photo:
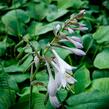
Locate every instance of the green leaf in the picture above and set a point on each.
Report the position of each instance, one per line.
(88, 42)
(14, 21)
(92, 100)
(7, 98)
(34, 28)
(100, 74)
(27, 63)
(38, 28)
(7, 91)
(62, 94)
(17, 3)
(101, 84)
(105, 3)
(37, 11)
(37, 102)
(35, 45)
(12, 83)
(3, 47)
(82, 75)
(56, 14)
(70, 3)
(49, 106)
(42, 76)
(102, 59)
(101, 35)
(13, 68)
(47, 28)
(20, 77)
(26, 91)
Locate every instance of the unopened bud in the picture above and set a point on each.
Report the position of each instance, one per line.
(83, 28)
(36, 60)
(82, 11)
(81, 14)
(78, 52)
(57, 28)
(82, 25)
(75, 38)
(76, 44)
(70, 30)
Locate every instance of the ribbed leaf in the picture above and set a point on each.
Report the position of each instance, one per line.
(100, 74)
(102, 34)
(82, 76)
(92, 100)
(7, 91)
(102, 59)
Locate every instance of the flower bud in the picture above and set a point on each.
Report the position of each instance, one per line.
(83, 28)
(36, 60)
(76, 39)
(57, 28)
(70, 30)
(77, 51)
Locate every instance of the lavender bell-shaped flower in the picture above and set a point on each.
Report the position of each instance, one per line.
(62, 78)
(52, 89)
(54, 101)
(52, 86)
(61, 63)
(76, 43)
(67, 79)
(76, 51)
(75, 38)
(62, 70)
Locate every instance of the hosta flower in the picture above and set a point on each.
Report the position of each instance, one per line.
(61, 71)
(70, 30)
(61, 63)
(76, 43)
(62, 76)
(76, 51)
(54, 101)
(52, 89)
(52, 86)
(75, 38)
(67, 79)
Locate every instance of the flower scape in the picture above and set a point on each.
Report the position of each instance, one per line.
(60, 72)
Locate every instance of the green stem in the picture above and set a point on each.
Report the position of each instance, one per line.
(47, 48)
(70, 60)
(31, 88)
(32, 76)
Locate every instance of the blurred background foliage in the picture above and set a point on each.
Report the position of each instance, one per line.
(30, 22)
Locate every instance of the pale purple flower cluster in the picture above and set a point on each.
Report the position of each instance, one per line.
(56, 65)
(62, 77)
(63, 70)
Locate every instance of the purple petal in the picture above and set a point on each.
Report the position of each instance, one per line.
(76, 38)
(77, 44)
(78, 52)
(54, 101)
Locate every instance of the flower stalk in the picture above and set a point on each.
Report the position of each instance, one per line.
(55, 64)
